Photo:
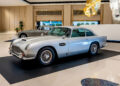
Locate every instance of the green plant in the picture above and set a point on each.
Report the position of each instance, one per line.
(17, 29)
(87, 23)
(21, 25)
(58, 24)
(78, 24)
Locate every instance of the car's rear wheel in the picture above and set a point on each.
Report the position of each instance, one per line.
(23, 36)
(94, 48)
(46, 56)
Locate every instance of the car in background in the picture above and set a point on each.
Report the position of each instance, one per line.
(60, 42)
(41, 31)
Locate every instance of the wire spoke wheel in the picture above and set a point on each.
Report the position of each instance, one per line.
(94, 49)
(46, 56)
(23, 36)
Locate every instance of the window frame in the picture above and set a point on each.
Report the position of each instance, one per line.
(89, 31)
(64, 28)
(85, 32)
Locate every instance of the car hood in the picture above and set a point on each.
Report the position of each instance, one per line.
(25, 41)
(40, 38)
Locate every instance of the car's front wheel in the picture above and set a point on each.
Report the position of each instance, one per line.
(23, 36)
(94, 48)
(46, 56)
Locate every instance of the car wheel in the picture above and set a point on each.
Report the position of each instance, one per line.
(94, 48)
(46, 56)
(23, 36)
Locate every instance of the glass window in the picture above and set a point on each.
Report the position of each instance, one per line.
(78, 33)
(49, 12)
(78, 12)
(50, 23)
(59, 31)
(89, 33)
(78, 23)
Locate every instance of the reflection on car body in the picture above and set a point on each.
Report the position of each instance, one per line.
(60, 42)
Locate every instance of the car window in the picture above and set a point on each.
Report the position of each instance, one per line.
(44, 28)
(59, 31)
(89, 33)
(78, 33)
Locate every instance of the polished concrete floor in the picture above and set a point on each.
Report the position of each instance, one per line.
(80, 70)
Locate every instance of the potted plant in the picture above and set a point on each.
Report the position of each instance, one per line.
(21, 25)
(17, 29)
(78, 24)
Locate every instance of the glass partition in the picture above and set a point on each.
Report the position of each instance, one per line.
(78, 23)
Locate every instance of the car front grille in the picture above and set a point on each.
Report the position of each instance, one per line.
(16, 50)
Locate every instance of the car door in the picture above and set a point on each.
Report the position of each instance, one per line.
(63, 47)
(43, 31)
(78, 43)
(33, 32)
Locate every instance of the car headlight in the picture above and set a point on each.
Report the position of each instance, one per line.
(27, 46)
(11, 43)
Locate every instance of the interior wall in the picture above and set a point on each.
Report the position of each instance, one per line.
(0, 18)
(67, 15)
(48, 17)
(107, 14)
(112, 31)
(11, 16)
(83, 17)
(29, 18)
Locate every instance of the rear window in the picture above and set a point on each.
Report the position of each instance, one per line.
(89, 33)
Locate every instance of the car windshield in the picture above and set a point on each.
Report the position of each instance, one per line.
(44, 28)
(59, 31)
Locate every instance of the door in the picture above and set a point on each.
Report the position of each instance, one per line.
(78, 43)
(63, 48)
(35, 33)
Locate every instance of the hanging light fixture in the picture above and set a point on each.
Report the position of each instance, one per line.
(92, 7)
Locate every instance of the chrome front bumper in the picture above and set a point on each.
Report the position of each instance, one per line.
(21, 56)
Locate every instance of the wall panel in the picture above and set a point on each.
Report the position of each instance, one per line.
(3, 20)
(29, 18)
(11, 16)
(23, 15)
(0, 18)
(17, 16)
(107, 14)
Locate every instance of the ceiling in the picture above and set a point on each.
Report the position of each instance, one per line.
(12, 3)
(27, 2)
(57, 1)
(52, 0)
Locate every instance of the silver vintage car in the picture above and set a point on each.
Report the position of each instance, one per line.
(36, 32)
(60, 42)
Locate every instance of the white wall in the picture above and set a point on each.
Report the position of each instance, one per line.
(112, 31)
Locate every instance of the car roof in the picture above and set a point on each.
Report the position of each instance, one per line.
(72, 27)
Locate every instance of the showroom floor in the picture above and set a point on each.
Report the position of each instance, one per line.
(81, 70)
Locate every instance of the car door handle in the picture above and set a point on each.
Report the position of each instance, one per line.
(62, 44)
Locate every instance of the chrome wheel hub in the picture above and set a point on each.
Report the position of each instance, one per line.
(23, 36)
(46, 56)
(94, 48)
